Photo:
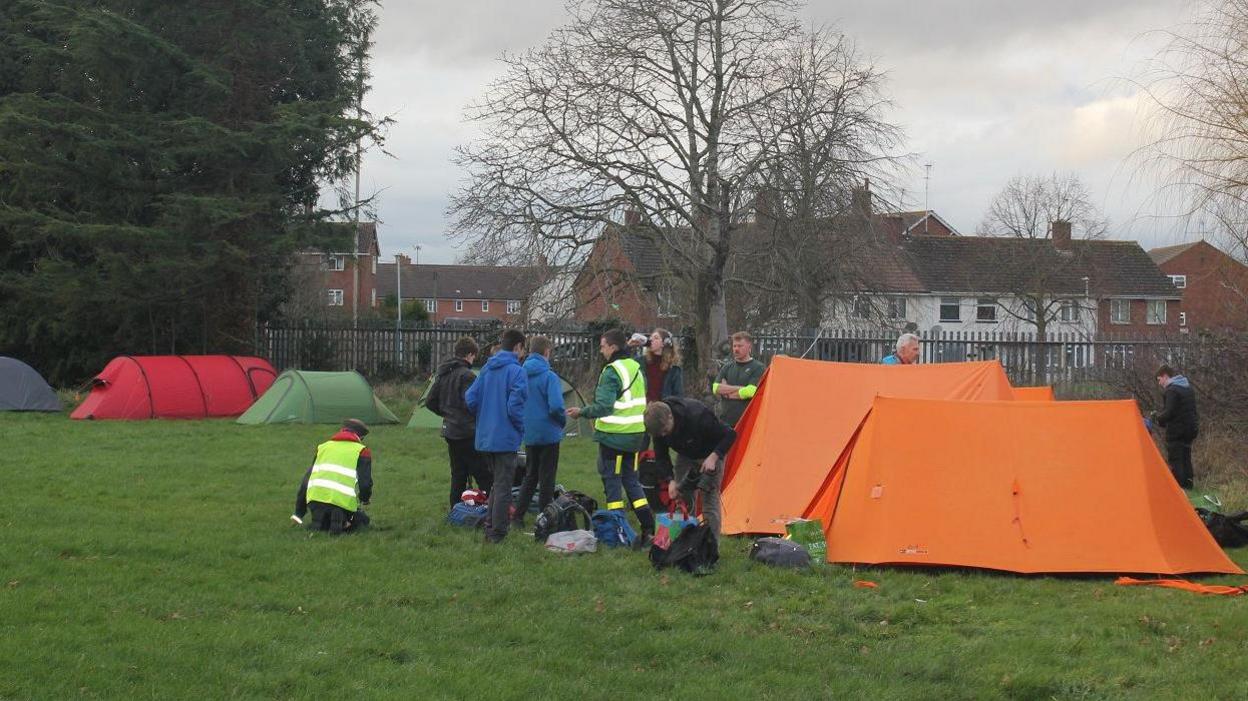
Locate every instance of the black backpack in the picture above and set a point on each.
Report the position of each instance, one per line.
(560, 515)
(695, 550)
(1228, 531)
(779, 552)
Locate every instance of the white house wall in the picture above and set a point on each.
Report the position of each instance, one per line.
(924, 312)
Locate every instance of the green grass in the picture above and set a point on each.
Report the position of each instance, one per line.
(154, 560)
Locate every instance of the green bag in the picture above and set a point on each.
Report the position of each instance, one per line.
(808, 534)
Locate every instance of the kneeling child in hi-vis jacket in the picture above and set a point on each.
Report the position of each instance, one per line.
(338, 484)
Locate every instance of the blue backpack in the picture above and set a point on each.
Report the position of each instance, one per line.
(612, 529)
(467, 516)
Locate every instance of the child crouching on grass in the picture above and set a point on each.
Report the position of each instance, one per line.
(338, 484)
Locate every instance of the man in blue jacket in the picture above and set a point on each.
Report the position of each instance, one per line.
(497, 399)
(544, 419)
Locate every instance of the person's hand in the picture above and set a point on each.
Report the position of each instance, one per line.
(673, 492)
(710, 463)
(295, 520)
(574, 412)
(727, 390)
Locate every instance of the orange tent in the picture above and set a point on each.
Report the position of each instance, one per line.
(803, 416)
(1034, 394)
(1018, 486)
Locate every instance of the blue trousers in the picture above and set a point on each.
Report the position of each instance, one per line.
(618, 470)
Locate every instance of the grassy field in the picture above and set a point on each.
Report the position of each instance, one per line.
(155, 560)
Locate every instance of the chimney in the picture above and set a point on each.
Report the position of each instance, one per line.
(632, 217)
(1061, 235)
(765, 207)
(860, 202)
(403, 260)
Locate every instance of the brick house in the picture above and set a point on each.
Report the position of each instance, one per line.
(624, 277)
(465, 293)
(1214, 286)
(327, 280)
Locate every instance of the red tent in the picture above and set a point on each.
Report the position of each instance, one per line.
(176, 387)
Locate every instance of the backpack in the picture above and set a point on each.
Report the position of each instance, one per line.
(572, 542)
(560, 515)
(1228, 531)
(695, 550)
(463, 514)
(612, 528)
(779, 552)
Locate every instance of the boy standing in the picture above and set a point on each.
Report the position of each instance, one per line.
(496, 398)
(446, 399)
(544, 419)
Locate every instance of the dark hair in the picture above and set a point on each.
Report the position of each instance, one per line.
(616, 337)
(1166, 370)
(465, 347)
(510, 339)
(539, 345)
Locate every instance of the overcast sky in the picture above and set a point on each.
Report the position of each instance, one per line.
(985, 90)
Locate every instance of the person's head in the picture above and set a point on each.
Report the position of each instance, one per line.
(742, 346)
(512, 340)
(355, 426)
(658, 419)
(612, 342)
(908, 348)
(1165, 373)
(662, 346)
(466, 349)
(540, 345)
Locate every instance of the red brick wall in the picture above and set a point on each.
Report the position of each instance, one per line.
(472, 310)
(1217, 286)
(604, 289)
(341, 280)
(1139, 325)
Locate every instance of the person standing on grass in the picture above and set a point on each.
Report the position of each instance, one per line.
(1182, 424)
(497, 398)
(446, 399)
(544, 419)
(906, 352)
(619, 429)
(738, 379)
(338, 484)
(664, 377)
(701, 441)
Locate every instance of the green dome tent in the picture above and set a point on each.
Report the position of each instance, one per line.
(304, 397)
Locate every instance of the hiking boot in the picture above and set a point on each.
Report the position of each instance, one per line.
(643, 541)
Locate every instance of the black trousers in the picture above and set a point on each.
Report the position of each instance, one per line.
(335, 519)
(466, 462)
(1179, 456)
(539, 476)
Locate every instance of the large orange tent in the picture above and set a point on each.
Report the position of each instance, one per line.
(1034, 394)
(1018, 486)
(803, 416)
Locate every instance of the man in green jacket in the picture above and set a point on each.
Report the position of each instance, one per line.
(618, 411)
(738, 379)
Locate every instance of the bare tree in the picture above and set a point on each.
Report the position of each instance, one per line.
(1029, 204)
(660, 108)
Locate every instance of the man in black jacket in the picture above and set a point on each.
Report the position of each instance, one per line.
(1178, 416)
(701, 441)
(459, 427)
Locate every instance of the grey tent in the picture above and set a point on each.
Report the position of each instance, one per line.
(23, 389)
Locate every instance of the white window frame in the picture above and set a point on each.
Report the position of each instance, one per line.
(897, 308)
(513, 306)
(335, 264)
(459, 305)
(485, 305)
(665, 300)
(956, 303)
(336, 298)
(431, 305)
(1151, 317)
(1179, 281)
(1068, 311)
(860, 307)
(989, 305)
(1116, 307)
(1182, 318)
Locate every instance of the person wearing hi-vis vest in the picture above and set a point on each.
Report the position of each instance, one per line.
(339, 482)
(619, 428)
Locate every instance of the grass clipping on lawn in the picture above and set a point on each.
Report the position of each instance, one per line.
(155, 559)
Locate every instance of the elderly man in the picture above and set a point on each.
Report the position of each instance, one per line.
(907, 352)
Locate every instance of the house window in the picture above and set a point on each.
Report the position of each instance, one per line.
(373, 295)
(459, 305)
(986, 309)
(485, 305)
(861, 308)
(950, 309)
(1179, 281)
(666, 300)
(1120, 311)
(335, 298)
(1182, 318)
(335, 263)
(431, 305)
(1069, 310)
(1156, 311)
(374, 258)
(897, 307)
(513, 306)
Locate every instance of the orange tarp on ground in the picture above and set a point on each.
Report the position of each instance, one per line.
(804, 415)
(1018, 486)
(1034, 394)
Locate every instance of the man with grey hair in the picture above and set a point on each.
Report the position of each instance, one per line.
(907, 352)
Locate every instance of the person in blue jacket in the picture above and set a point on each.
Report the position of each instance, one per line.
(544, 420)
(907, 352)
(496, 398)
